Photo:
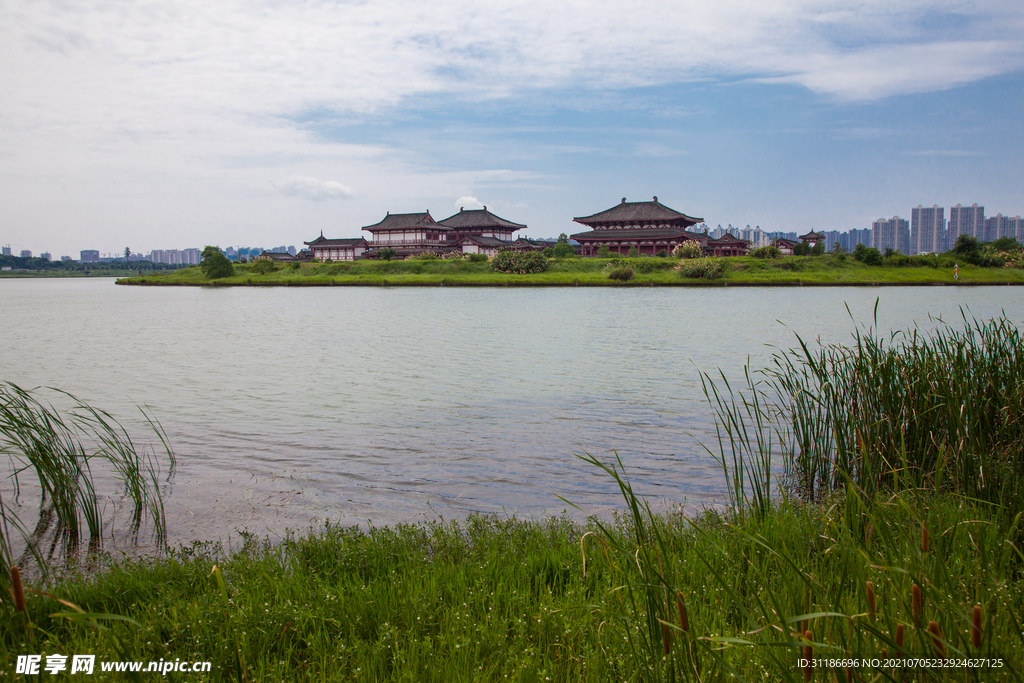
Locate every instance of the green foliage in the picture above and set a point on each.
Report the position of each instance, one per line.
(603, 251)
(706, 268)
(476, 258)
(508, 261)
(563, 239)
(633, 252)
(214, 264)
(386, 253)
(424, 256)
(818, 249)
(621, 273)
(548, 252)
(869, 256)
(688, 249)
(662, 253)
(768, 252)
(262, 265)
(563, 250)
(294, 265)
(967, 248)
(801, 249)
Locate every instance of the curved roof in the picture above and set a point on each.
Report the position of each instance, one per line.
(478, 218)
(638, 212)
(397, 221)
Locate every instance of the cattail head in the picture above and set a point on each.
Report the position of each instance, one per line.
(666, 639)
(916, 605)
(924, 538)
(684, 622)
(808, 652)
(17, 591)
(976, 627)
(899, 636)
(871, 601)
(936, 633)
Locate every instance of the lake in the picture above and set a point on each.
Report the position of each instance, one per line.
(287, 406)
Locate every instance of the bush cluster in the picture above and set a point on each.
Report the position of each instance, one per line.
(621, 273)
(515, 263)
(261, 265)
(688, 249)
(768, 252)
(424, 256)
(706, 268)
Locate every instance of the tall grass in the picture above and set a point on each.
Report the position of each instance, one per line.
(59, 450)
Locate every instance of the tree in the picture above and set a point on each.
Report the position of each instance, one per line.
(801, 249)
(633, 252)
(215, 264)
(563, 249)
(967, 247)
(603, 251)
(818, 249)
(127, 253)
(563, 239)
(386, 253)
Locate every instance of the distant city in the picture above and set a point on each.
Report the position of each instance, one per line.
(927, 231)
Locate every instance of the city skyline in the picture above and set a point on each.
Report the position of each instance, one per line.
(222, 125)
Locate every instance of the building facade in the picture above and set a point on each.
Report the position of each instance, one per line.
(649, 226)
(965, 220)
(891, 234)
(928, 229)
(348, 249)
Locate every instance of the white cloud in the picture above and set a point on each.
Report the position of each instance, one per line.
(313, 188)
(468, 203)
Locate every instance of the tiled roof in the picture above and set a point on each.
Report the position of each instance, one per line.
(813, 236)
(641, 234)
(478, 218)
(638, 212)
(484, 241)
(727, 238)
(322, 241)
(397, 221)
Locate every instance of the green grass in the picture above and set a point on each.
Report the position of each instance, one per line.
(828, 270)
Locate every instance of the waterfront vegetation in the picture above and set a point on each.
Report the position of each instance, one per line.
(829, 269)
(876, 502)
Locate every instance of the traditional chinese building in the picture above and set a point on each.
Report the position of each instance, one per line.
(785, 246)
(812, 238)
(348, 249)
(480, 223)
(727, 245)
(648, 226)
(410, 233)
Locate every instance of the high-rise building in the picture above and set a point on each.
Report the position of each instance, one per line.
(46, 255)
(90, 256)
(928, 229)
(965, 220)
(6, 250)
(1002, 226)
(26, 253)
(891, 234)
(65, 258)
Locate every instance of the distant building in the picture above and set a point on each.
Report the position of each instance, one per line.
(46, 255)
(964, 220)
(648, 226)
(928, 229)
(65, 259)
(1003, 226)
(408, 234)
(346, 249)
(480, 223)
(891, 234)
(26, 253)
(812, 238)
(726, 245)
(6, 250)
(90, 256)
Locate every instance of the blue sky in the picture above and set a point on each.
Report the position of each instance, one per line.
(177, 124)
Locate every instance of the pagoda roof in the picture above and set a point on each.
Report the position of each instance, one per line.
(815, 235)
(640, 234)
(727, 238)
(482, 241)
(478, 218)
(638, 212)
(322, 241)
(397, 221)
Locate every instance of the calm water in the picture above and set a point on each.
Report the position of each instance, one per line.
(384, 405)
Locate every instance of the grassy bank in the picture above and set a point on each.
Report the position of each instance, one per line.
(794, 270)
(876, 515)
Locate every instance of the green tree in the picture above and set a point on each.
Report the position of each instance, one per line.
(386, 253)
(801, 249)
(215, 264)
(563, 239)
(633, 252)
(604, 252)
(563, 249)
(818, 249)
(968, 248)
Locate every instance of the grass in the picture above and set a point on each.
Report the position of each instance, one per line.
(825, 270)
(882, 552)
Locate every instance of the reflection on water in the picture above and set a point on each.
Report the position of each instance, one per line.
(387, 404)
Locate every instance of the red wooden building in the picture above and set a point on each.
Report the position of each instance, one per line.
(409, 233)
(480, 223)
(648, 226)
(727, 245)
(348, 249)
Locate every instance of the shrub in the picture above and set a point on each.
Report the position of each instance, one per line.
(633, 252)
(386, 253)
(453, 256)
(869, 256)
(622, 274)
(662, 254)
(706, 268)
(294, 265)
(424, 256)
(563, 250)
(688, 249)
(603, 251)
(767, 252)
(801, 249)
(548, 252)
(515, 263)
(261, 265)
(215, 264)
(476, 258)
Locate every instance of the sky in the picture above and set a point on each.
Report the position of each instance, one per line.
(169, 125)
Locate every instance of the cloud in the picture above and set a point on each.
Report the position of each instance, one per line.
(313, 188)
(469, 203)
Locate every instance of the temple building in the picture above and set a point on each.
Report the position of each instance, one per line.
(410, 233)
(727, 245)
(648, 226)
(480, 223)
(348, 249)
(812, 238)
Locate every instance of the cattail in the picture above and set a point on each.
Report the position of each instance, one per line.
(849, 675)
(871, 601)
(684, 622)
(976, 627)
(899, 636)
(916, 607)
(808, 651)
(869, 531)
(940, 647)
(666, 639)
(17, 591)
(924, 538)
(885, 652)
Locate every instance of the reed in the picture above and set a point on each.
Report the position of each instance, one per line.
(60, 450)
